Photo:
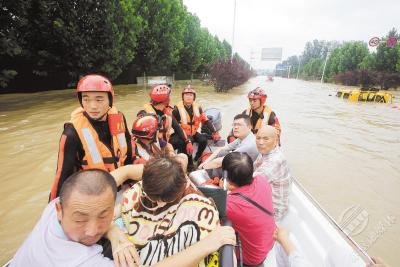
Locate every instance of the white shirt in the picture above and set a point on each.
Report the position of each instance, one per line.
(47, 245)
(248, 145)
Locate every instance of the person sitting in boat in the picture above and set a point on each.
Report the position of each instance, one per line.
(260, 113)
(159, 105)
(245, 142)
(190, 116)
(72, 224)
(96, 136)
(147, 145)
(165, 213)
(249, 208)
(145, 141)
(272, 165)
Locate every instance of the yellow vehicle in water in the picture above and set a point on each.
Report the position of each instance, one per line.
(365, 95)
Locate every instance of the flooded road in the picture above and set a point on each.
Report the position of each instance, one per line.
(346, 154)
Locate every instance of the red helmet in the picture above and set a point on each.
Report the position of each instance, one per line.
(258, 93)
(95, 83)
(160, 93)
(145, 126)
(189, 90)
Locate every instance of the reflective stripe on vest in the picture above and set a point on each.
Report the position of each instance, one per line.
(94, 152)
(142, 152)
(97, 154)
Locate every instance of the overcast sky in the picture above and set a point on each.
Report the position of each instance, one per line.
(291, 23)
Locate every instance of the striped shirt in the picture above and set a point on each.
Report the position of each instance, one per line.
(274, 167)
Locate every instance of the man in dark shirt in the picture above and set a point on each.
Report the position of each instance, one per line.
(96, 136)
(190, 116)
(159, 105)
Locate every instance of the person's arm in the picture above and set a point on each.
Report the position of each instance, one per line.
(124, 251)
(176, 115)
(213, 164)
(128, 138)
(124, 173)
(295, 258)
(378, 263)
(222, 235)
(178, 130)
(67, 163)
(169, 150)
(212, 157)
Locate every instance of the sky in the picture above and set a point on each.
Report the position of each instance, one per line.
(291, 23)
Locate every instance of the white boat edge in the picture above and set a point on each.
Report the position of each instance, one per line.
(317, 234)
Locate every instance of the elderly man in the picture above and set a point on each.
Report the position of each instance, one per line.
(245, 142)
(71, 225)
(272, 164)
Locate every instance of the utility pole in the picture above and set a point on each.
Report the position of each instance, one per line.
(252, 58)
(233, 30)
(298, 69)
(323, 71)
(288, 75)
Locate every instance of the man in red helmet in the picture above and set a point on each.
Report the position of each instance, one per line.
(145, 141)
(146, 144)
(260, 113)
(190, 116)
(159, 105)
(96, 137)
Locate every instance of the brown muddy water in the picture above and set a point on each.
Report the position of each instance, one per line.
(346, 154)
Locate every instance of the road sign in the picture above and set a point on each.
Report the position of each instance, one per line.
(271, 54)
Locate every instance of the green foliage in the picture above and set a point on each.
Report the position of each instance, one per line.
(347, 58)
(387, 58)
(72, 38)
(49, 44)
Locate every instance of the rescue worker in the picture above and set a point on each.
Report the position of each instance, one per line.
(190, 116)
(260, 113)
(96, 135)
(159, 105)
(145, 141)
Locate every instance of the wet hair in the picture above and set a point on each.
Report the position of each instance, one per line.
(245, 117)
(163, 179)
(239, 166)
(91, 182)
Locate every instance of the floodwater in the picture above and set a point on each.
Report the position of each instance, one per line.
(346, 154)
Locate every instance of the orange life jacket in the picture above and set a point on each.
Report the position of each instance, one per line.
(166, 130)
(190, 125)
(139, 151)
(266, 114)
(97, 154)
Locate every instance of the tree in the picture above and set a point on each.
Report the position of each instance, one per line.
(387, 58)
(62, 40)
(348, 57)
(190, 59)
(162, 35)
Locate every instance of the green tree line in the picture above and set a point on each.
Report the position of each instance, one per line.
(49, 44)
(349, 62)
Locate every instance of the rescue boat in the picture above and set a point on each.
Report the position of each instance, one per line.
(316, 234)
(365, 96)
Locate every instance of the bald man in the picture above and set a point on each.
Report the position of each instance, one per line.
(272, 165)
